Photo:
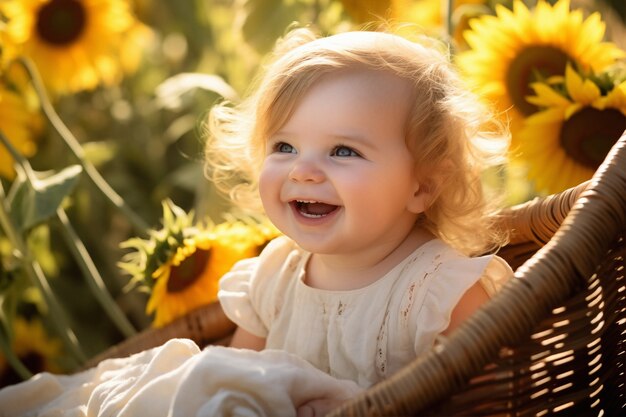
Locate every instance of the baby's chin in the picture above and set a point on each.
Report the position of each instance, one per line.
(317, 247)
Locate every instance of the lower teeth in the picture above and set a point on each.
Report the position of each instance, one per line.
(312, 216)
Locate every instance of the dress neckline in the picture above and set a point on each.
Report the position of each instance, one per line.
(301, 270)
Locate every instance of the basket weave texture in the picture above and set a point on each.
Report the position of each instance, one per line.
(552, 342)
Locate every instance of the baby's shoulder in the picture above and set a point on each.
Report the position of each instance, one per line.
(430, 286)
(439, 272)
(251, 290)
(430, 258)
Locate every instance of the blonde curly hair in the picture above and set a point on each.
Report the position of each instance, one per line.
(452, 137)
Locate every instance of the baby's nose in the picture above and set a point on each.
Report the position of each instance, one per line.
(306, 171)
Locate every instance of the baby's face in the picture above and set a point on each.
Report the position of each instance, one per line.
(338, 176)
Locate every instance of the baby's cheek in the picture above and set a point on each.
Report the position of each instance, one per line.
(269, 183)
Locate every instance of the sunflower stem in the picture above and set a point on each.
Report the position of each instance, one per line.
(35, 274)
(448, 6)
(21, 165)
(60, 320)
(13, 360)
(92, 173)
(92, 276)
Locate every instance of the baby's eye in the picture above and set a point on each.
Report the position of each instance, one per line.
(344, 151)
(283, 147)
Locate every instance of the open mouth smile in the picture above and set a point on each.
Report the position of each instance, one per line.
(313, 209)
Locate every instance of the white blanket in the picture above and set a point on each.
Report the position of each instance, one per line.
(177, 379)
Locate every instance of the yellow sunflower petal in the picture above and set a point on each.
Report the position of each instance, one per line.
(546, 96)
(20, 124)
(158, 293)
(582, 91)
(555, 79)
(616, 98)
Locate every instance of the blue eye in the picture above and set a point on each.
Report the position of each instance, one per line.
(344, 151)
(283, 147)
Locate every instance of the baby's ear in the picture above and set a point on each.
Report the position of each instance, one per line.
(421, 198)
(428, 187)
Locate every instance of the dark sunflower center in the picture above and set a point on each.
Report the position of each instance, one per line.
(189, 270)
(589, 134)
(60, 22)
(533, 64)
(32, 360)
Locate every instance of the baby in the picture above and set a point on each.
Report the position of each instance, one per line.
(366, 152)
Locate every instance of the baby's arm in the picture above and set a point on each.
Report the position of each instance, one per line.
(243, 339)
(473, 298)
(318, 408)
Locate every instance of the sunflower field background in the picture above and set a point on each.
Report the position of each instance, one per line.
(107, 223)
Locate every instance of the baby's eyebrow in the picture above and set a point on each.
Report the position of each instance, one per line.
(281, 134)
(348, 138)
(353, 138)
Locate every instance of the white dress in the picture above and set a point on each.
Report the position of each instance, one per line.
(363, 335)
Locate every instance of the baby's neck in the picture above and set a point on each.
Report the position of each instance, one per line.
(349, 272)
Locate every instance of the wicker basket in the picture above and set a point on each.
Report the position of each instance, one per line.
(553, 341)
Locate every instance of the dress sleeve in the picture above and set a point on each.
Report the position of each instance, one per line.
(234, 296)
(497, 273)
(248, 292)
(446, 288)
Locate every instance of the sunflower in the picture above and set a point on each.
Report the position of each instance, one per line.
(74, 43)
(510, 51)
(430, 14)
(190, 278)
(181, 264)
(33, 347)
(20, 124)
(568, 139)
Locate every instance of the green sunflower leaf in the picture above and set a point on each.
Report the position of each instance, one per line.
(32, 203)
(267, 20)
